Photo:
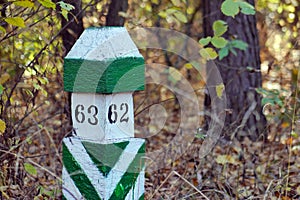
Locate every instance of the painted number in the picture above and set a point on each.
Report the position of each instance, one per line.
(113, 114)
(80, 115)
(92, 111)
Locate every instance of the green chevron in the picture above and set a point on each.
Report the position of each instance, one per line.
(78, 176)
(129, 178)
(105, 156)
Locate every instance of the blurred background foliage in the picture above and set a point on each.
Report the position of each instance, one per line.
(33, 111)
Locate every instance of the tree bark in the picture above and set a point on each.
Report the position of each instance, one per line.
(244, 117)
(113, 18)
(74, 29)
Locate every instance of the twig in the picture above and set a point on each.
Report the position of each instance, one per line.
(245, 119)
(177, 174)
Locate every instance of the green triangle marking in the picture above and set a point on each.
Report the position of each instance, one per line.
(105, 156)
(142, 197)
(129, 178)
(80, 179)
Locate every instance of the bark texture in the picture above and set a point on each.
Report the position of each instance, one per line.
(244, 110)
(72, 28)
(113, 18)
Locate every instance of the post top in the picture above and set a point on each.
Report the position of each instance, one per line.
(100, 44)
(104, 60)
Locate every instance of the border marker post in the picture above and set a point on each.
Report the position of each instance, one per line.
(104, 160)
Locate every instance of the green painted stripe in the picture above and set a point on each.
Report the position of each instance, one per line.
(142, 197)
(80, 179)
(105, 156)
(129, 178)
(104, 76)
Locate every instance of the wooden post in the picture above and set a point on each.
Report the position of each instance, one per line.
(104, 160)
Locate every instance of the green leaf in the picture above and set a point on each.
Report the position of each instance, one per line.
(64, 13)
(162, 14)
(48, 4)
(223, 53)
(205, 41)
(219, 27)
(25, 4)
(219, 42)
(66, 6)
(2, 29)
(208, 53)
(188, 66)
(2, 127)
(230, 8)
(246, 8)
(219, 90)
(239, 44)
(1, 89)
(233, 51)
(171, 11)
(265, 101)
(15, 21)
(30, 169)
(181, 17)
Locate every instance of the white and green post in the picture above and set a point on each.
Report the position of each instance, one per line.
(103, 160)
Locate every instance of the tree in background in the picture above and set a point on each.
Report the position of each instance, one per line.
(239, 67)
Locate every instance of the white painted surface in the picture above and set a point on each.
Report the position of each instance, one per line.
(104, 43)
(91, 119)
(69, 189)
(106, 185)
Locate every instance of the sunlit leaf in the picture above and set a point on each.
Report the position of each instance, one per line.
(66, 6)
(30, 169)
(24, 3)
(181, 17)
(230, 8)
(224, 159)
(64, 13)
(48, 4)
(162, 14)
(219, 42)
(2, 29)
(1, 89)
(219, 90)
(219, 27)
(205, 41)
(15, 21)
(171, 10)
(208, 53)
(2, 127)
(188, 66)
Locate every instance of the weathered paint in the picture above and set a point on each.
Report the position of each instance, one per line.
(103, 161)
(100, 59)
(103, 130)
(124, 180)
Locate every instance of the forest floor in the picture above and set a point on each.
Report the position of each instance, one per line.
(31, 167)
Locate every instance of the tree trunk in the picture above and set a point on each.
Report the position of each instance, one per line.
(244, 116)
(74, 29)
(113, 18)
